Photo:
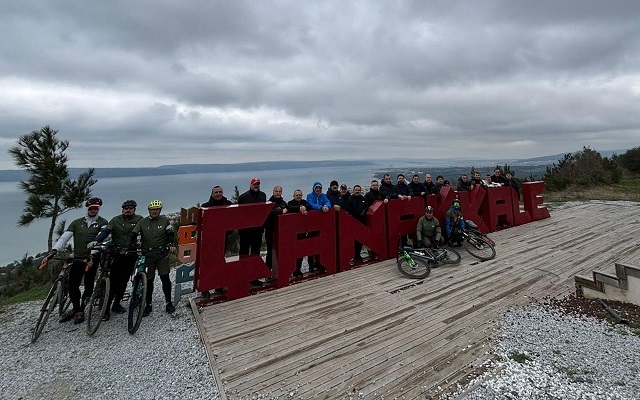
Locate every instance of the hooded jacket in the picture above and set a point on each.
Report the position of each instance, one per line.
(317, 201)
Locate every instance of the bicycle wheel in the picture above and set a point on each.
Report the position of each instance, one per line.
(98, 304)
(415, 268)
(137, 302)
(448, 256)
(46, 309)
(479, 248)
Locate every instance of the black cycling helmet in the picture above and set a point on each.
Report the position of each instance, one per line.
(428, 209)
(129, 203)
(94, 201)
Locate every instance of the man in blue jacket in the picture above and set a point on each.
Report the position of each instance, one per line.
(318, 200)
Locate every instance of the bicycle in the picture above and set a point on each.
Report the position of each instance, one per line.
(477, 246)
(138, 296)
(416, 268)
(58, 295)
(472, 229)
(97, 306)
(437, 255)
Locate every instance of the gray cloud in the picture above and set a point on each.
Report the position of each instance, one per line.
(271, 80)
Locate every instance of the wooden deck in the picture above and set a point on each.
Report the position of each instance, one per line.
(372, 333)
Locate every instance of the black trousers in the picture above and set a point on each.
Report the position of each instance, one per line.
(76, 275)
(250, 240)
(121, 270)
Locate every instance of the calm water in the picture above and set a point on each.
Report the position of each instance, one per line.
(175, 191)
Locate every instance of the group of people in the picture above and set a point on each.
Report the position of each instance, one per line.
(356, 203)
(157, 235)
(156, 241)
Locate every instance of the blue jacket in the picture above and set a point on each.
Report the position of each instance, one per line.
(453, 219)
(317, 201)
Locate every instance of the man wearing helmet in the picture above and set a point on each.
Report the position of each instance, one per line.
(156, 234)
(453, 222)
(83, 230)
(428, 231)
(120, 227)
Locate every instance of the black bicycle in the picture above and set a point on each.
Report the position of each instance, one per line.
(138, 297)
(472, 229)
(477, 246)
(58, 295)
(99, 301)
(437, 256)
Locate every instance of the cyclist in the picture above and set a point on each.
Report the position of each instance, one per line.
(83, 230)
(453, 223)
(156, 234)
(428, 231)
(120, 227)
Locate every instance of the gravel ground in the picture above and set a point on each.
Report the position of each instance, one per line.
(567, 349)
(165, 359)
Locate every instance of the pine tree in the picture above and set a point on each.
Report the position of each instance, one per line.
(49, 190)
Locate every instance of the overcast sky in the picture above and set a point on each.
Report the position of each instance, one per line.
(147, 83)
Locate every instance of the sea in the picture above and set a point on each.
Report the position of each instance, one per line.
(175, 192)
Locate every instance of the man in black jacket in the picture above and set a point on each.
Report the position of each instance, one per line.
(251, 238)
(402, 189)
(417, 187)
(387, 188)
(217, 198)
(299, 205)
(334, 195)
(279, 208)
(374, 194)
(430, 185)
(357, 208)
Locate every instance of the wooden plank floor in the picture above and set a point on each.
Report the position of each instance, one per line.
(371, 332)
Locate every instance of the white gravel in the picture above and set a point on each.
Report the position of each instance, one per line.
(567, 357)
(165, 359)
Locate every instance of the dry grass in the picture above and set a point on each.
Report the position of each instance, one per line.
(628, 190)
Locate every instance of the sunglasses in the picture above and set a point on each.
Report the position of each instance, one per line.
(128, 208)
(93, 208)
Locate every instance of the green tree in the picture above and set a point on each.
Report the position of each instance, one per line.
(583, 168)
(630, 160)
(49, 190)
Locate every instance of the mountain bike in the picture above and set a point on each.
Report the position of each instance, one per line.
(99, 301)
(477, 246)
(437, 256)
(416, 268)
(472, 229)
(58, 295)
(138, 297)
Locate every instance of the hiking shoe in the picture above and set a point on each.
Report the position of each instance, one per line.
(297, 274)
(106, 316)
(147, 311)
(358, 259)
(170, 308)
(118, 309)
(205, 294)
(67, 316)
(78, 318)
